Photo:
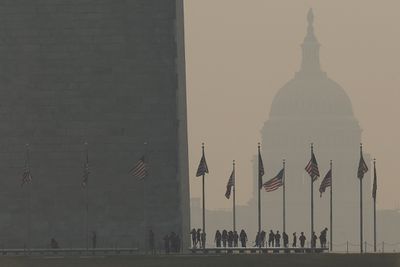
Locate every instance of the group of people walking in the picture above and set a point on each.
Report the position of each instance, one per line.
(198, 238)
(172, 243)
(231, 239)
(322, 239)
(274, 239)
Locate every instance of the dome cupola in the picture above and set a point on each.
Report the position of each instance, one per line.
(311, 93)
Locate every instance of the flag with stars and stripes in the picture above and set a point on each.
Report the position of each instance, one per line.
(312, 167)
(86, 173)
(139, 170)
(230, 184)
(362, 167)
(326, 182)
(275, 182)
(260, 171)
(375, 184)
(203, 168)
(26, 177)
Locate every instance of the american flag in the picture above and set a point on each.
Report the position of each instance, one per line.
(362, 167)
(86, 173)
(375, 184)
(260, 170)
(326, 182)
(275, 182)
(26, 177)
(312, 167)
(203, 168)
(139, 170)
(230, 184)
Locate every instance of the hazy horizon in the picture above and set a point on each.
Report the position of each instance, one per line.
(240, 53)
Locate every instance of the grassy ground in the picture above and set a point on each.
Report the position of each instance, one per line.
(293, 260)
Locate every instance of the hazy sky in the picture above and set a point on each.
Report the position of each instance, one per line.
(239, 53)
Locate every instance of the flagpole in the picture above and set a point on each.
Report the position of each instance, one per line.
(144, 218)
(234, 198)
(312, 199)
(29, 199)
(145, 240)
(87, 195)
(284, 197)
(361, 219)
(331, 211)
(204, 202)
(361, 210)
(374, 197)
(259, 194)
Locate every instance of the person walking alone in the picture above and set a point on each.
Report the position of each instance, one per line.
(203, 240)
(314, 239)
(198, 237)
(285, 238)
(322, 238)
(302, 239)
(193, 234)
(294, 244)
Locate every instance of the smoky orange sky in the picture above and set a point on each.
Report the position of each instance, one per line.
(239, 53)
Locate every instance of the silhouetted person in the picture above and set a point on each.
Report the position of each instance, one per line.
(151, 242)
(257, 241)
(94, 239)
(271, 239)
(224, 238)
(198, 237)
(262, 238)
(285, 239)
(166, 243)
(294, 244)
(302, 239)
(177, 243)
(230, 239)
(54, 244)
(322, 238)
(277, 239)
(314, 239)
(172, 240)
(203, 239)
(218, 238)
(235, 239)
(193, 234)
(243, 238)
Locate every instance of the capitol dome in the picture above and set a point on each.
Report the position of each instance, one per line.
(312, 108)
(319, 96)
(311, 93)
